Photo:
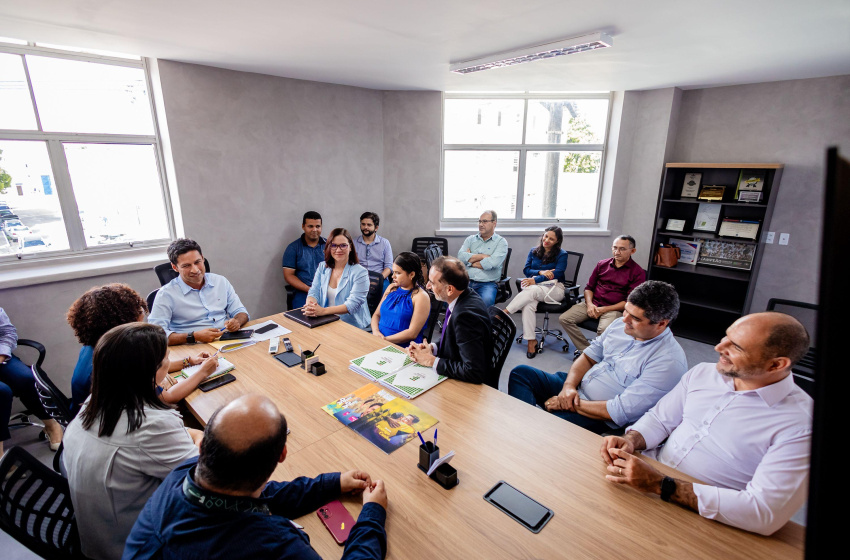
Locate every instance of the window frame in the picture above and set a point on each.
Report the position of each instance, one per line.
(450, 224)
(61, 173)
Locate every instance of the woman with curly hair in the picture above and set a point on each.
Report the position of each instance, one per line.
(100, 309)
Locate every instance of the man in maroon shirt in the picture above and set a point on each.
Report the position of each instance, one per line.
(611, 282)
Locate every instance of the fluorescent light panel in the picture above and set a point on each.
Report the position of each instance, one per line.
(573, 45)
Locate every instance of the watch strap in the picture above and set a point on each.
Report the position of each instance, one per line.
(190, 338)
(668, 488)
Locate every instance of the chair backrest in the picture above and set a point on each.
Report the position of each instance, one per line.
(376, 285)
(56, 404)
(437, 307)
(36, 508)
(150, 299)
(505, 265)
(807, 314)
(503, 331)
(573, 266)
(421, 243)
(503, 287)
(166, 274)
(432, 253)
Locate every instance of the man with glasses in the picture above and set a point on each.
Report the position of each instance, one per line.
(197, 306)
(606, 292)
(483, 255)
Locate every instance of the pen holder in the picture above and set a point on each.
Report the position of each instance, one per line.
(428, 453)
(445, 475)
(305, 355)
(317, 368)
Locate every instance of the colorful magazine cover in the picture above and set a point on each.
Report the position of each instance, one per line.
(366, 399)
(393, 425)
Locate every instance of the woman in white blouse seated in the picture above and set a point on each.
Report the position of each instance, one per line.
(125, 440)
(340, 285)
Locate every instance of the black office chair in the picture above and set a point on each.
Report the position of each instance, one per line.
(36, 508)
(22, 419)
(166, 274)
(290, 296)
(376, 290)
(570, 296)
(150, 299)
(807, 314)
(503, 286)
(55, 403)
(437, 307)
(421, 243)
(503, 330)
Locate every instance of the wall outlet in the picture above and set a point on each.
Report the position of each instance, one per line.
(783, 238)
(769, 238)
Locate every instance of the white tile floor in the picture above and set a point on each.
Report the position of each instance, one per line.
(552, 359)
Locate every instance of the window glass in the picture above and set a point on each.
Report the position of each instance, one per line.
(480, 180)
(566, 121)
(118, 192)
(29, 204)
(16, 110)
(77, 96)
(561, 185)
(483, 121)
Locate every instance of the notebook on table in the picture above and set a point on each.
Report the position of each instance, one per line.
(298, 316)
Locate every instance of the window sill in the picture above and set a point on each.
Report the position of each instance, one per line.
(451, 230)
(29, 272)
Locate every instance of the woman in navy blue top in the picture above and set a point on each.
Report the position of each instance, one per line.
(402, 315)
(544, 281)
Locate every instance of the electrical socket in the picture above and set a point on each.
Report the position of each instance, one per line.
(783, 238)
(769, 238)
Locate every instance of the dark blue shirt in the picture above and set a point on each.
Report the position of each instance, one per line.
(534, 264)
(170, 526)
(304, 259)
(81, 380)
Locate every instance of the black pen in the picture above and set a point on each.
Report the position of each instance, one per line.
(317, 347)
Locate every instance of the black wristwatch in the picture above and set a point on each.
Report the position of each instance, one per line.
(190, 338)
(668, 488)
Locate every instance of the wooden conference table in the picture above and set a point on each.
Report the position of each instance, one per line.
(495, 437)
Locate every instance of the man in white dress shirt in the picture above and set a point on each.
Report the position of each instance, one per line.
(741, 426)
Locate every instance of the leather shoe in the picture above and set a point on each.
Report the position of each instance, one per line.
(532, 349)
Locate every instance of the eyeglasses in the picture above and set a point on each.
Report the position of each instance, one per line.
(485, 221)
(341, 246)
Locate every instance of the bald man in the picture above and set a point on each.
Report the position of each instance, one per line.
(741, 426)
(221, 504)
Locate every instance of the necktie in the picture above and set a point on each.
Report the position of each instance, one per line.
(445, 327)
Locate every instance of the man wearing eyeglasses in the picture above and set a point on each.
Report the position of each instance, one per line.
(483, 255)
(605, 293)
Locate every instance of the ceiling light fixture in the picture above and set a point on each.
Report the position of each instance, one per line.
(590, 42)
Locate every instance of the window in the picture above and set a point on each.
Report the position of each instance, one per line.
(531, 157)
(80, 160)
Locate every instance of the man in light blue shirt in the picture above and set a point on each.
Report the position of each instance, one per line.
(622, 374)
(197, 306)
(483, 255)
(374, 251)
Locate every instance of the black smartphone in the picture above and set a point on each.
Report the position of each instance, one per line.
(216, 383)
(237, 335)
(265, 329)
(527, 512)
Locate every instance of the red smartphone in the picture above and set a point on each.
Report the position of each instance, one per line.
(337, 519)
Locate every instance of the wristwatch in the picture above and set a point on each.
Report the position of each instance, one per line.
(190, 338)
(668, 488)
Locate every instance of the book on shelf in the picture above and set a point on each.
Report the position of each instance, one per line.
(394, 369)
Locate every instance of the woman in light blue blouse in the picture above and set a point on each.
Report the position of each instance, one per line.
(340, 284)
(544, 281)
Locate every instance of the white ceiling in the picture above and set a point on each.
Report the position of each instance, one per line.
(408, 44)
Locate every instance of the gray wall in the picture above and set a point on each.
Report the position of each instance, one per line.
(793, 123)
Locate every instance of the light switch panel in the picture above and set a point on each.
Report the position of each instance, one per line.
(783, 238)
(769, 238)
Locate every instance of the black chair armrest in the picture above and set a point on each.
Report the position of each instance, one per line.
(39, 347)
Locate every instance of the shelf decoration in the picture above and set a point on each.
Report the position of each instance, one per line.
(689, 250)
(751, 180)
(690, 188)
(743, 229)
(727, 254)
(675, 225)
(749, 196)
(713, 193)
(708, 216)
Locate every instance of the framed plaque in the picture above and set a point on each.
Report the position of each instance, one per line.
(727, 254)
(690, 188)
(742, 229)
(707, 217)
(675, 225)
(714, 193)
(751, 180)
(749, 196)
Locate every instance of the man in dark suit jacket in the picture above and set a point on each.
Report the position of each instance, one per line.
(465, 348)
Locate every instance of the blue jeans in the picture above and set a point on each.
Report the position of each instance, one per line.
(535, 386)
(16, 380)
(487, 291)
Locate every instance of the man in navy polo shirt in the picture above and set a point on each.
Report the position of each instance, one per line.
(302, 257)
(605, 293)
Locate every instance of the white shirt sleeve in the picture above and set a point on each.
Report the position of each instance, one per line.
(660, 421)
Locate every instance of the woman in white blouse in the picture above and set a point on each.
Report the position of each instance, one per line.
(125, 440)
